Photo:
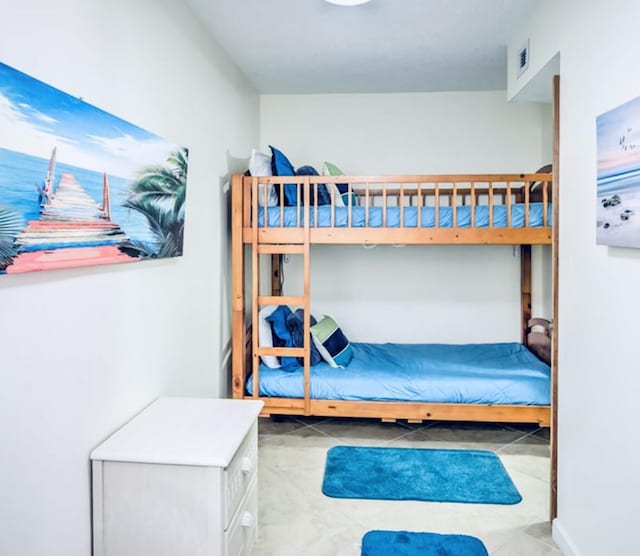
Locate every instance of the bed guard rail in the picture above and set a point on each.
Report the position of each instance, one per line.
(479, 208)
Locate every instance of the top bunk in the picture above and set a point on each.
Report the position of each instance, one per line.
(402, 209)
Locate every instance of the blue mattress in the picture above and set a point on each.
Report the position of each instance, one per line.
(358, 216)
(502, 373)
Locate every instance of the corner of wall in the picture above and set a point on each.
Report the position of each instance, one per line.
(562, 539)
(225, 368)
(541, 33)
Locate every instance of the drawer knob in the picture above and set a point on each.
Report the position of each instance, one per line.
(246, 465)
(247, 519)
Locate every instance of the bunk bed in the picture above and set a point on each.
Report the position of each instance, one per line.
(506, 382)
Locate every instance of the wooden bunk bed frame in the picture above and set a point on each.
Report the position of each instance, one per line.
(434, 191)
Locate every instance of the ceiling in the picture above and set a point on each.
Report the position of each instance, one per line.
(311, 46)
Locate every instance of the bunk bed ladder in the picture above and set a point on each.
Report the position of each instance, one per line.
(277, 298)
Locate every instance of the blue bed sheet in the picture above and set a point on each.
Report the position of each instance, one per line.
(358, 216)
(500, 373)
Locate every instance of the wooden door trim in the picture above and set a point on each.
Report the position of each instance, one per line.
(555, 247)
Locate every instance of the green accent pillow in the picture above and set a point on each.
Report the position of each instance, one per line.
(332, 170)
(341, 189)
(331, 342)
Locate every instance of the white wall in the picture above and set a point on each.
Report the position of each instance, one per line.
(83, 350)
(598, 481)
(417, 293)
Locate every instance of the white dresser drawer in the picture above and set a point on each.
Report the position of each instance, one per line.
(242, 532)
(239, 473)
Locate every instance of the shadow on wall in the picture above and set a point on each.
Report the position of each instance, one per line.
(234, 165)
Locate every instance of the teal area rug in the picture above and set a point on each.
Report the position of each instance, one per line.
(404, 543)
(469, 476)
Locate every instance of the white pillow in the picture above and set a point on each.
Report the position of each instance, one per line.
(338, 200)
(260, 165)
(265, 336)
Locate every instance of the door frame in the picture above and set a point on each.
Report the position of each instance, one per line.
(553, 482)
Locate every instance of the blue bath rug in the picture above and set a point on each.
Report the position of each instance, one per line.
(404, 543)
(469, 476)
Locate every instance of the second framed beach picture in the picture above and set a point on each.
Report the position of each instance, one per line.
(79, 186)
(618, 210)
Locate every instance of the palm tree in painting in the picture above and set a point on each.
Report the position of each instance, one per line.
(10, 225)
(159, 195)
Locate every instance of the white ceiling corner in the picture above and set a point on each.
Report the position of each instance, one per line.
(311, 46)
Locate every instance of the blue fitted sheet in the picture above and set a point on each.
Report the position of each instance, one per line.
(501, 373)
(358, 216)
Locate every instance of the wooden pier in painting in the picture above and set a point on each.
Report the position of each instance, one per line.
(73, 229)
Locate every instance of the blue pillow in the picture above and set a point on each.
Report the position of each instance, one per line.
(281, 166)
(323, 194)
(295, 324)
(282, 336)
(332, 343)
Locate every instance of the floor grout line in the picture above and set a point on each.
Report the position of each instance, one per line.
(510, 426)
(399, 437)
(298, 420)
(324, 433)
(517, 440)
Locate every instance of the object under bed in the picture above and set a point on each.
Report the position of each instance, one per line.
(376, 217)
(500, 373)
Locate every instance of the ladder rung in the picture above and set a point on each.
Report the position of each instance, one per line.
(281, 351)
(270, 249)
(280, 300)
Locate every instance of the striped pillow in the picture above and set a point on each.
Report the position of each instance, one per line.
(331, 342)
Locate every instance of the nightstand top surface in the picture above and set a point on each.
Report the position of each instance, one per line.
(182, 431)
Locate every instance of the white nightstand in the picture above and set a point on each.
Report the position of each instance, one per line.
(179, 479)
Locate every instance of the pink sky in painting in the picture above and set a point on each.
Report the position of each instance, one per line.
(618, 139)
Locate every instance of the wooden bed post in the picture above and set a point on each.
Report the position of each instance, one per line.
(307, 298)
(525, 290)
(238, 355)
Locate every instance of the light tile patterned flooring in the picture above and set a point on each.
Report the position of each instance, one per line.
(296, 519)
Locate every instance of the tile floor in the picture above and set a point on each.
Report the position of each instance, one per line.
(296, 519)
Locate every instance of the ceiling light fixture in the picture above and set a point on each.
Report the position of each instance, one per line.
(348, 3)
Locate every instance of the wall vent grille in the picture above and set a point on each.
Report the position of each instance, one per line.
(523, 58)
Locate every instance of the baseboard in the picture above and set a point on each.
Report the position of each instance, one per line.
(562, 539)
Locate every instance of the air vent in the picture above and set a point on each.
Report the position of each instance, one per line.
(523, 58)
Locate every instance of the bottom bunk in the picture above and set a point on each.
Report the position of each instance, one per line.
(501, 382)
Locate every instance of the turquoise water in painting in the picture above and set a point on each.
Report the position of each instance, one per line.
(19, 174)
(619, 182)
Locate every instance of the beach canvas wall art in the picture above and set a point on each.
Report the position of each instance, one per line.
(618, 210)
(79, 186)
